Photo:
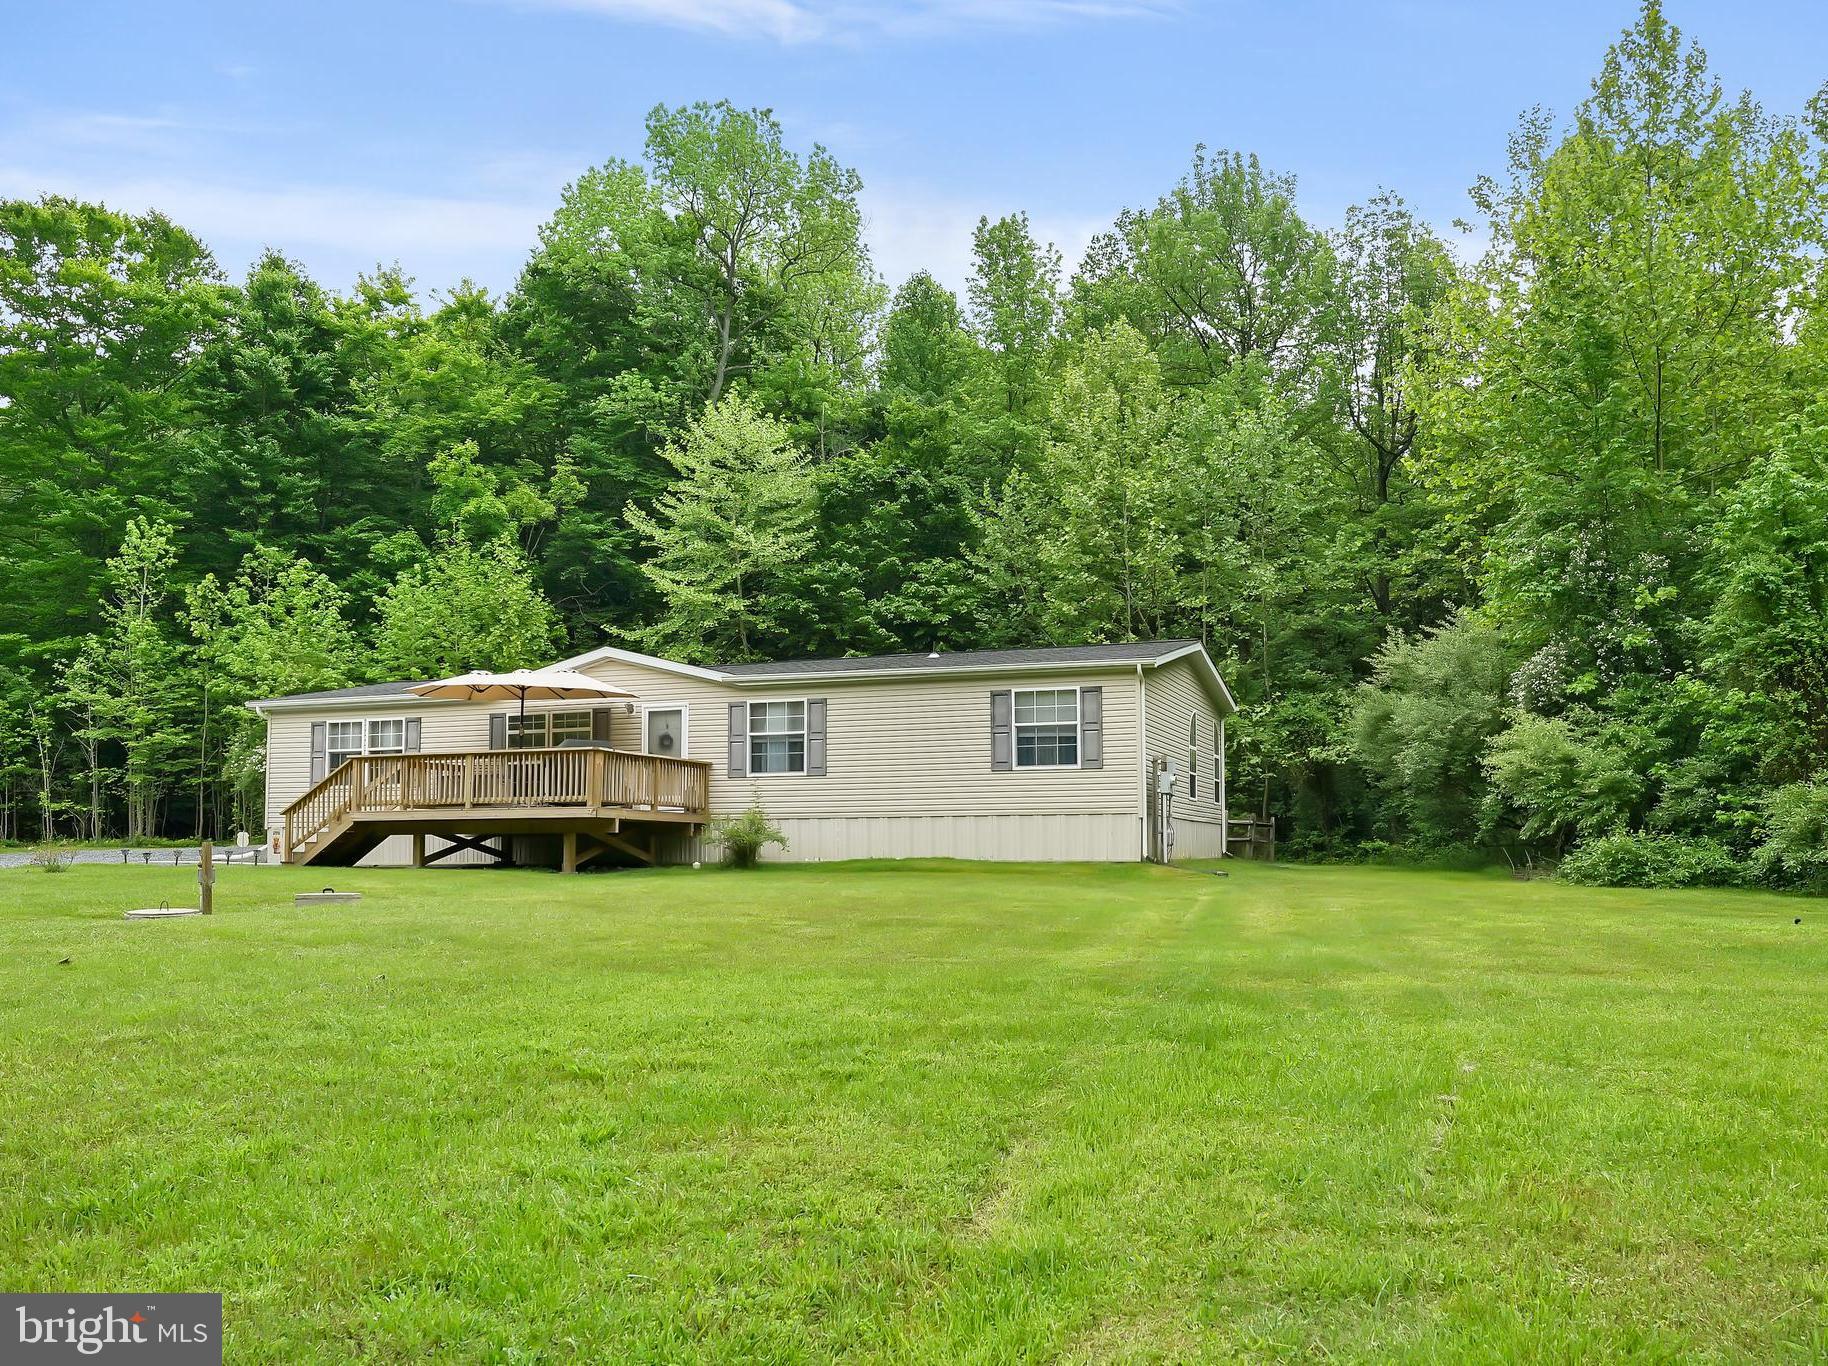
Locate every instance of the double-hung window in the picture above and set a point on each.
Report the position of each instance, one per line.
(387, 737)
(1193, 757)
(1047, 728)
(346, 739)
(777, 737)
(541, 729)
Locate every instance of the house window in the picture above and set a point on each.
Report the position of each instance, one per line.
(777, 737)
(345, 740)
(543, 729)
(1047, 728)
(1193, 757)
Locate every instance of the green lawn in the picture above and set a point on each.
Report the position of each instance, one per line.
(928, 1111)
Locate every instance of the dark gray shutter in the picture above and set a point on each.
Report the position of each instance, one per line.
(320, 750)
(1091, 728)
(1002, 741)
(815, 737)
(599, 724)
(498, 730)
(411, 744)
(739, 739)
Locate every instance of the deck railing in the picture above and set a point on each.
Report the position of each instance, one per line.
(491, 780)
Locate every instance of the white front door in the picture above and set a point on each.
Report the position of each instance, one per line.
(666, 732)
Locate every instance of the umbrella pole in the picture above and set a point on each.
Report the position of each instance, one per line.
(523, 740)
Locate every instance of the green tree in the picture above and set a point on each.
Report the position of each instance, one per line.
(128, 684)
(1222, 273)
(279, 627)
(723, 255)
(1620, 353)
(463, 607)
(772, 236)
(1110, 500)
(1015, 311)
(1559, 779)
(890, 567)
(1423, 722)
(1388, 275)
(726, 534)
(103, 319)
(281, 449)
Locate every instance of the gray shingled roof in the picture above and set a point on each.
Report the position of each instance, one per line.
(1133, 652)
(365, 690)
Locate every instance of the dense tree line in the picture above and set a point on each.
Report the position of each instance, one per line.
(1525, 552)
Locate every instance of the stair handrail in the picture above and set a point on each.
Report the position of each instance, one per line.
(321, 805)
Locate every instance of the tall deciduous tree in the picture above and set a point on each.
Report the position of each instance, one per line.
(1223, 272)
(129, 684)
(461, 607)
(1620, 353)
(1388, 274)
(1015, 310)
(279, 626)
(103, 320)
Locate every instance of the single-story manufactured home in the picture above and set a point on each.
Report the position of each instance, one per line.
(1100, 752)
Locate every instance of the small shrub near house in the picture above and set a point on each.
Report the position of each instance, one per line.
(744, 837)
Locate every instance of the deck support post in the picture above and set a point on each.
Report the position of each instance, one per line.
(571, 852)
(418, 848)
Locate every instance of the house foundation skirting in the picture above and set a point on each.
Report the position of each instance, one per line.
(1099, 837)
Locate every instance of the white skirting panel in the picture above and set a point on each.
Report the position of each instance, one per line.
(1198, 839)
(1095, 838)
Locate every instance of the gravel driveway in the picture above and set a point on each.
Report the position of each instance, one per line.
(178, 856)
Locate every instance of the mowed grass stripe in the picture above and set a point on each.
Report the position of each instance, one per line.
(926, 1112)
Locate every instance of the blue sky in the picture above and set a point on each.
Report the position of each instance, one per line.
(438, 133)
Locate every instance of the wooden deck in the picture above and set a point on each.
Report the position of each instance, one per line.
(599, 800)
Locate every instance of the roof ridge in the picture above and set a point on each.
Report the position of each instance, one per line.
(1164, 642)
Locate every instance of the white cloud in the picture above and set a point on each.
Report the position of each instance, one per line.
(805, 21)
(335, 230)
(909, 230)
(486, 234)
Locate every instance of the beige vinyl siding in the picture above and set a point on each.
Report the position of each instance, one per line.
(898, 746)
(1175, 696)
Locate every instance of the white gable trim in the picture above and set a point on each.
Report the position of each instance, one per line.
(635, 657)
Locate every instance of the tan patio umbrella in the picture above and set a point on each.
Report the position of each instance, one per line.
(543, 685)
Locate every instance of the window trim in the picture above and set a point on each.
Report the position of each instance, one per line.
(366, 723)
(1015, 731)
(749, 735)
(685, 727)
